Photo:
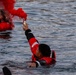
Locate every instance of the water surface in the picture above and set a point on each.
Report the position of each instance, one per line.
(53, 22)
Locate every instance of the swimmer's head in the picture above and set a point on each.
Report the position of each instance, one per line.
(43, 51)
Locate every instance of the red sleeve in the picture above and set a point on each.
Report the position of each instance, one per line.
(33, 45)
(32, 41)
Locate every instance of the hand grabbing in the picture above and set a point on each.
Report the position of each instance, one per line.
(31, 65)
(25, 25)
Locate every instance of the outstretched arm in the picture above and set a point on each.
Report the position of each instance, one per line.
(31, 38)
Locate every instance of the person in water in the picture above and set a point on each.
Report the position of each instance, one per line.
(5, 21)
(42, 55)
(4, 17)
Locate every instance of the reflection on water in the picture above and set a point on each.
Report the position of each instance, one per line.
(5, 35)
(53, 22)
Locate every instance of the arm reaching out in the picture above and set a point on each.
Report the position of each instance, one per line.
(30, 37)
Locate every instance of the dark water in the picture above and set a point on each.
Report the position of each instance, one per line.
(53, 23)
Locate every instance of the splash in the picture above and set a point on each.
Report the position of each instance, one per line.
(9, 6)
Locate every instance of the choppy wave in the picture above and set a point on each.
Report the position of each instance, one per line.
(47, 0)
